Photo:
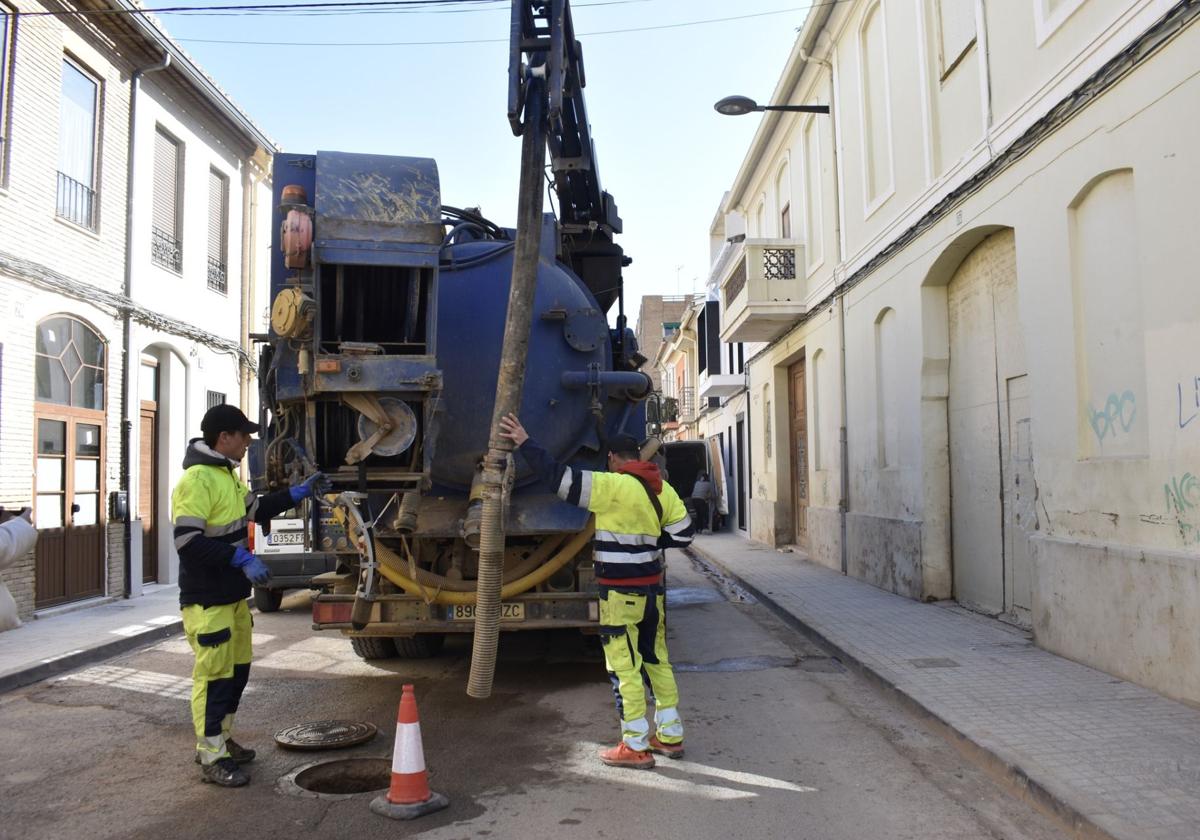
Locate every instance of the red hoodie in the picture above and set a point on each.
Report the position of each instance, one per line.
(646, 471)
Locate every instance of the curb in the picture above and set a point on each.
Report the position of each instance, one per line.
(1019, 781)
(44, 670)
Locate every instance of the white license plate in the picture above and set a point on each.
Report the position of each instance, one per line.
(508, 612)
(286, 538)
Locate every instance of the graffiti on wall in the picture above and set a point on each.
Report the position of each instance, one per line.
(1189, 402)
(1183, 502)
(1115, 418)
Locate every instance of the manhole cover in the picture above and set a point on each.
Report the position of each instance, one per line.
(325, 735)
(338, 779)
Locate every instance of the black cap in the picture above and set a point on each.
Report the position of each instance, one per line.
(624, 444)
(226, 418)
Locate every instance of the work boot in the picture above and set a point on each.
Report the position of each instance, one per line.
(669, 750)
(623, 756)
(237, 752)
(224, 772)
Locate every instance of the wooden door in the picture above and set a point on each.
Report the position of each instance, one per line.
(68, 506)
(798, 437)
(148, 490)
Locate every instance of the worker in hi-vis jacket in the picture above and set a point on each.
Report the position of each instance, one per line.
(637, 515)
(213, 512)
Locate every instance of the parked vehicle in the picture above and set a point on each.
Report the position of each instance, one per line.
(288, 552)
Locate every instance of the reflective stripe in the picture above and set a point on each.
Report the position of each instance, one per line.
(407, 755)
(626, 539)
(182, 539)
(585, 489)
(669, 725)
(676, 528)
(636, 734)
(190, 522)
(564, 486)
(615, 558)
(222, 530)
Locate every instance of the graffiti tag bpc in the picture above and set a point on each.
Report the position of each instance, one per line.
(1118, 411)
(1196, 400)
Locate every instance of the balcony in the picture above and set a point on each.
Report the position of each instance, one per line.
(76, 202)
(762, 288)
(721, 385)
(687, 406)
(218, 278)
(165, 250)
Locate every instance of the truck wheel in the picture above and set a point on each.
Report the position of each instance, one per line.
(420, 647)
(373, 647)
(267, 600)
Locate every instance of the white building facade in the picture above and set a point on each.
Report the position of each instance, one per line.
(85, 305)
(980, 381)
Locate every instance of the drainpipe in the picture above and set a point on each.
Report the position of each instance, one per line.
(135, 83)
(249, 212)
(843, 433)
(985, 77)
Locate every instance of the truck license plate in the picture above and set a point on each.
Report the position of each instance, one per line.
(508, 612)
(286, 538)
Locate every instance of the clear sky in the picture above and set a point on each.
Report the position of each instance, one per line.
(664, 153)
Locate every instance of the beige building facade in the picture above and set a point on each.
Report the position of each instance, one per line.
(112, 339)
(980, 379)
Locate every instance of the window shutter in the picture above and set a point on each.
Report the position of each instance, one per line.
(166, 184)
(218, 201)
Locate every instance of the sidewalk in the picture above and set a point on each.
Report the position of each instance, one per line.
(43, 647)
(1114, 758)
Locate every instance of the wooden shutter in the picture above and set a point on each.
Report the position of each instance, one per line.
(218, 203)
(166, 184)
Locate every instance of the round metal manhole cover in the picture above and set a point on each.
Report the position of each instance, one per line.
(325, 735)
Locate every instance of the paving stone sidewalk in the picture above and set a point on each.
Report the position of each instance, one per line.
(1116, 758)
(42, 647)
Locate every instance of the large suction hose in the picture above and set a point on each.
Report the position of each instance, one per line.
(508, 392)
(392, 567)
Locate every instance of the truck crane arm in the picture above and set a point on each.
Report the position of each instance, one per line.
(542, 43)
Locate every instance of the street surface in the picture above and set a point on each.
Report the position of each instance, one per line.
(782, 742)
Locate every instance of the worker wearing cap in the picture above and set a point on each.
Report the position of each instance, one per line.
(637, 514)
(213, 511)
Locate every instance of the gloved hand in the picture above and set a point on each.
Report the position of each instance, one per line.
(253, 568)
(314, 484)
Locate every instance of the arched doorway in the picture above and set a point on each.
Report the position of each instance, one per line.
(991, 461)
(69, 458)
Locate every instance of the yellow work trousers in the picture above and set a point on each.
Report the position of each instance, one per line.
(220, 638)
(634, 631)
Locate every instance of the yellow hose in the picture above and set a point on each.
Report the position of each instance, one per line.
(391, 566)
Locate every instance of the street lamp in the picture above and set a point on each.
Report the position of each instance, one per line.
(736, 106)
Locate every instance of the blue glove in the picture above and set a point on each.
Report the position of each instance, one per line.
(315, 482)
(253, 568)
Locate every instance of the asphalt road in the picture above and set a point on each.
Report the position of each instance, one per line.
(781, 743)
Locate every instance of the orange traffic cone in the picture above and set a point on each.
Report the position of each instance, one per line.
(409, 795)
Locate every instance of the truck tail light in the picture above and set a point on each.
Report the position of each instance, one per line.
(331, 612)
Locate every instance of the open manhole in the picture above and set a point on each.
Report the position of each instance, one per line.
(338, 779)
(325, 735)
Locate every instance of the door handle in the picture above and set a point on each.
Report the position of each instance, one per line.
(74, 509)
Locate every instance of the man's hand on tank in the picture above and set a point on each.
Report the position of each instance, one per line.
(511, 428)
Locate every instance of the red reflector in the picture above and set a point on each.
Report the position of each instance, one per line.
(332, 612)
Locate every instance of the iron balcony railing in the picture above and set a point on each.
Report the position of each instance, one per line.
(687, 405)
(76, 202)
(165, 250)
(218, 278)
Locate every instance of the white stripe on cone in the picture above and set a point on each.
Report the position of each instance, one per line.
(408, 757)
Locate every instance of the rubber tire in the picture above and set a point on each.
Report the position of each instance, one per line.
(373, 647)
(267, 600)
(424, 646)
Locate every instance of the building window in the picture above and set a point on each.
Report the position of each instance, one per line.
(6, 39)
(218, 224)
(812, 194)
(69, 366)
(956, 33)
(165, 246)
(741, 365)
(78, 107)
(215, 398)
(783, 200)
(877, 131)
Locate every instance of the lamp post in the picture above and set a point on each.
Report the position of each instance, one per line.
(736, 106)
